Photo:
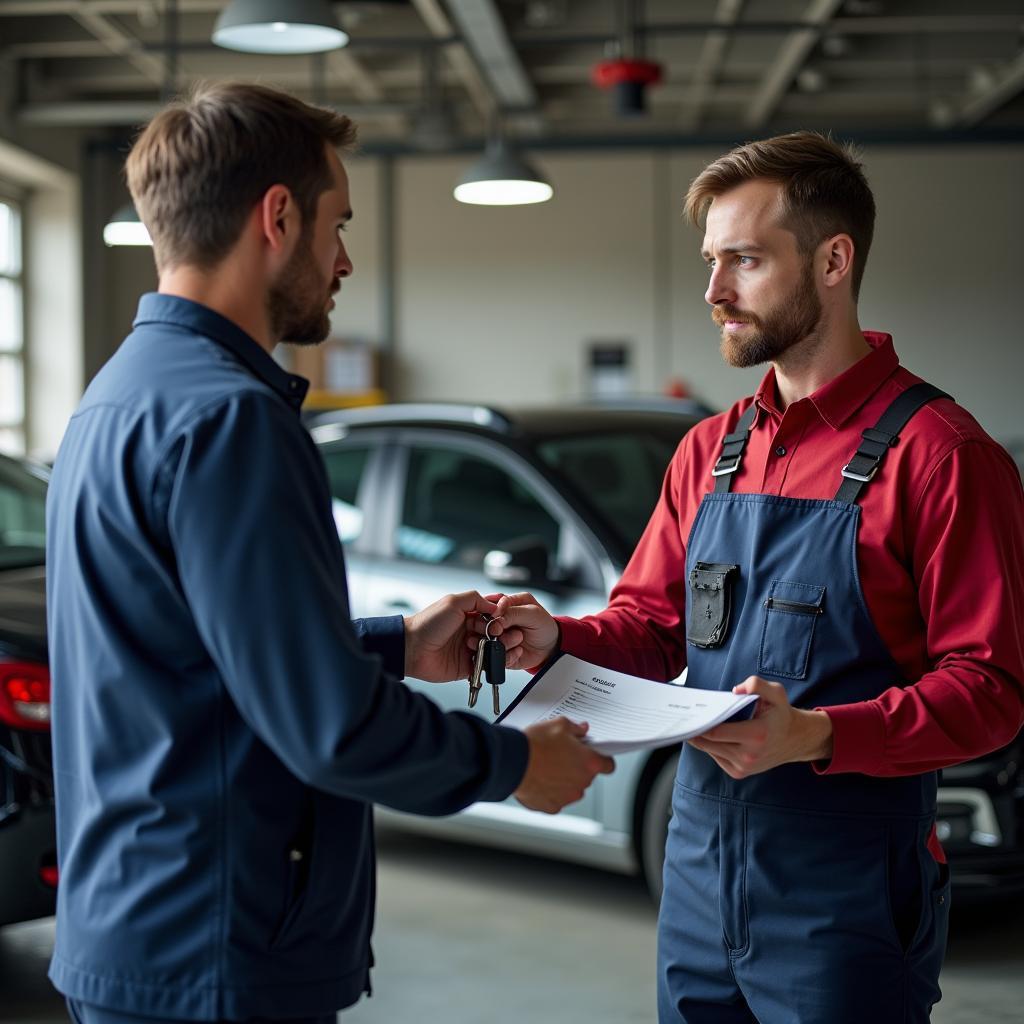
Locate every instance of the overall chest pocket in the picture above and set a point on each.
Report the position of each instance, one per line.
(790, 615)
(711, 586)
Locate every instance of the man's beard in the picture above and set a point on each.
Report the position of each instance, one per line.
(767, 338)
(297, 304)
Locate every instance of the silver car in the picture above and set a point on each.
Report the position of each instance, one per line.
(435, 499)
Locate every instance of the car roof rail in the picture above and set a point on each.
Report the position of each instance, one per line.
(652, 403)
(327, 426)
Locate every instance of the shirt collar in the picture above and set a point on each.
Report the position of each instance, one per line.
(172, 309)
(842, 396)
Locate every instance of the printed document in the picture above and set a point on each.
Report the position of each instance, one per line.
(625, 712)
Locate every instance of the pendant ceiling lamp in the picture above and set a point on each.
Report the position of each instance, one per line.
(125, 228)
(279, 26)
(501, 177)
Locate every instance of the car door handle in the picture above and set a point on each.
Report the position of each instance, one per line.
(398, 605)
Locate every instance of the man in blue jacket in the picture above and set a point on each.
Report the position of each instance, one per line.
(220, 725)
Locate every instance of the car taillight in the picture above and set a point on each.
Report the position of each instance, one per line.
(25, 695)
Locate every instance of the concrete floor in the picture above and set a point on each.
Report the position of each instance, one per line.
(470, 936)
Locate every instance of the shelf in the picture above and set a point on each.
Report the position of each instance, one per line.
(320, 399)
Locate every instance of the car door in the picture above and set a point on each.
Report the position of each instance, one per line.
(355, 465)
(457, 497)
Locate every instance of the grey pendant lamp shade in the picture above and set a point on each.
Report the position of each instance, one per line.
(125, 228)
(279, 26)
(501, 177)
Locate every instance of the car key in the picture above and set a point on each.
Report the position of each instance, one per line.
(478, 666)
(494, 665)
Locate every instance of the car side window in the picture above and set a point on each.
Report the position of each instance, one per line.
(459, 506)
(345, 468)
(620, 473)
(22, 517)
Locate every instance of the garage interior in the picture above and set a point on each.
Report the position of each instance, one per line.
(594, 295)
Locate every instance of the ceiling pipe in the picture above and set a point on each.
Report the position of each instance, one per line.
(132, 113)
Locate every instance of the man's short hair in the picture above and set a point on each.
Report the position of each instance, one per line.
(824, 190)
(200, 166)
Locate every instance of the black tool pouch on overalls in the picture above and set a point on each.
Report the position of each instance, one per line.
(711, 586)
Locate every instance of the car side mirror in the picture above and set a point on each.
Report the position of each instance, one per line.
(522, 562)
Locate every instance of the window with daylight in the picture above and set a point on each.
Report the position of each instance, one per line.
(12, 330)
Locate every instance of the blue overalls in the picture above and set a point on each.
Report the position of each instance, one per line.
(792, 897)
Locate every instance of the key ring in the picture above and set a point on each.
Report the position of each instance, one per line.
(487, 630)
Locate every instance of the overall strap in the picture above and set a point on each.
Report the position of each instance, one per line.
(877, 440)
(733, 447)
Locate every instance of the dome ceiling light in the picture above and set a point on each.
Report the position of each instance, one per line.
(279, 27)
(125, 228)
(501, 177)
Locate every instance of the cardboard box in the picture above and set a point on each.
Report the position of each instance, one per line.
(348, 367)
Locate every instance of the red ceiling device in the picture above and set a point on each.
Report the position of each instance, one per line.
(629, 79)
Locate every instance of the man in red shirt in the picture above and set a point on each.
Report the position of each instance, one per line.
(848, 544)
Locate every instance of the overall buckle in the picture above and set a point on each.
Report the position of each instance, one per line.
(721, 470)
(860, 477)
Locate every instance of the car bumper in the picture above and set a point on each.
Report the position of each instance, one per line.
(27, 845)
(981, 834)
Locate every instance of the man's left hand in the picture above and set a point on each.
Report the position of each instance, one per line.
(435, 638)
(777, 734)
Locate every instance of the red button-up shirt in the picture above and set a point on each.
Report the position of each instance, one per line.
(940, 553)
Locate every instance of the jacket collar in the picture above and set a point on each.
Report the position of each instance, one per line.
(192, 316)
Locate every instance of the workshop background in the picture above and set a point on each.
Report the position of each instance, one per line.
(595, 293)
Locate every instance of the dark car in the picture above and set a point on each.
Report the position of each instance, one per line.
(432, 499)
(28, 855)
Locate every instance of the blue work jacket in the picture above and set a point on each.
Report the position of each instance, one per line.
(220, 725)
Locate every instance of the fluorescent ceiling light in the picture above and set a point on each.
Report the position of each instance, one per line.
(125, 228)
(502, 178)
(279, 26)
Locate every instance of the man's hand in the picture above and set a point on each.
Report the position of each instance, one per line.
(437, 639)
(777, 734)
(529, 633)
(560, 766)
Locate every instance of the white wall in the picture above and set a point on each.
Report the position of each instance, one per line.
(945, 273)
(357, 316)
(497, 305)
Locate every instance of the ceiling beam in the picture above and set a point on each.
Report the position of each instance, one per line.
(42, 48)
(367, 90)
(457, 56)
(119, 42)
(131, 112)
(926, 24)
(709, 61)
(481, 27)
(1005, 84)
(790, 59)
(352, 72)
(55, 48)
(42, 8)
(917, 25)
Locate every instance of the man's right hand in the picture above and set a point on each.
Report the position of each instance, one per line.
(560, 768)
(527, 630)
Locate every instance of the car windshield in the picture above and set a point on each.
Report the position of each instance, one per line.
(619, 474)
(22, 515)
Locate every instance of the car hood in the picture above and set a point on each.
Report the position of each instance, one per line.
(23, 613)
